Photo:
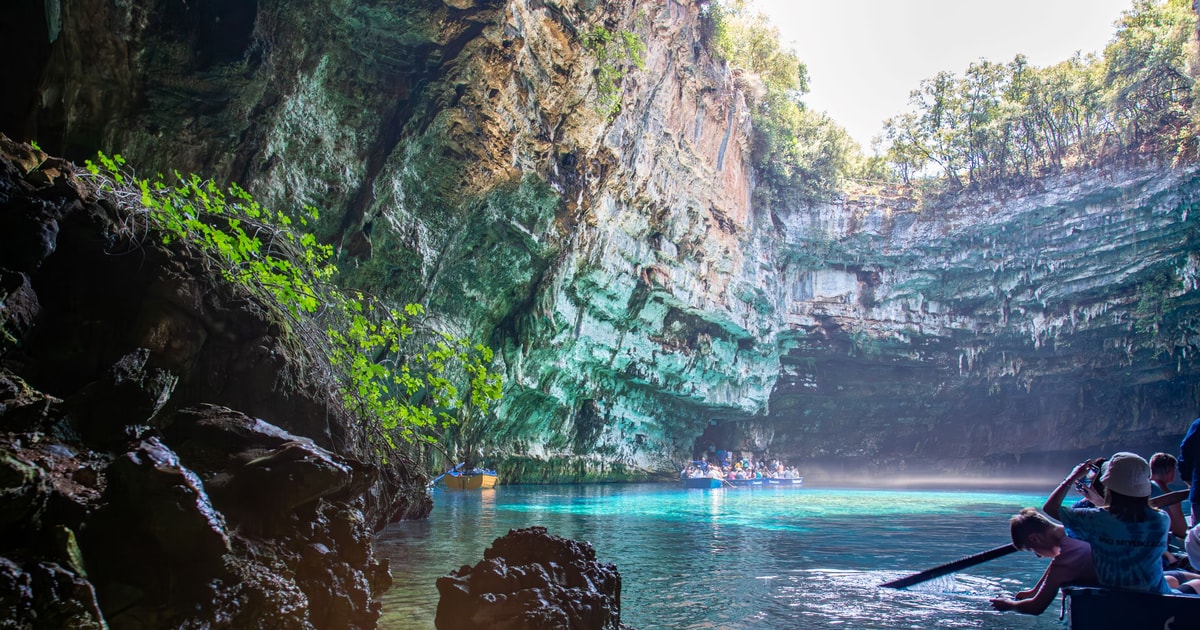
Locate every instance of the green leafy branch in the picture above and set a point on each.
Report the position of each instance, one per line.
(403, 376)
(612, 51)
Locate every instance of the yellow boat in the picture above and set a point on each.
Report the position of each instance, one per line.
(473, 479)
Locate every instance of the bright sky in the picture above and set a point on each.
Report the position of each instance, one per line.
(864, 57)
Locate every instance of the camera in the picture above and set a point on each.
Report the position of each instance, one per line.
(1090, 480)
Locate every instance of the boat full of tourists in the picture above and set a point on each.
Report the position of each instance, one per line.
(700, 474)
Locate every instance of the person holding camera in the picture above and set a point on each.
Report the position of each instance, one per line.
(1127, 535)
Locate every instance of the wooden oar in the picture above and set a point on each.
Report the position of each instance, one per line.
(1170, 498)
(1161, 501)
(439, 477)
(951, 567)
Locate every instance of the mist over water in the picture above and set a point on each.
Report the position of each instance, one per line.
(748, 558)
(1031, 483)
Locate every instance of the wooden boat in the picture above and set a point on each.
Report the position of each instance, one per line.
(794, 482)
(474, 479)
(767, 482)
(1089, 607)
(709, 483)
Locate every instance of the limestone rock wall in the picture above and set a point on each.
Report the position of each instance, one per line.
(464, 158)
(1054, 323)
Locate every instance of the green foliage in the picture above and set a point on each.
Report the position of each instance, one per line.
(1153, 295)
(1146, 69)
(403, 376)
(1001, 123)
(614, 53)
(796, 151)
(749, 42)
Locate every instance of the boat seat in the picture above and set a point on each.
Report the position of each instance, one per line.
(1096, 608)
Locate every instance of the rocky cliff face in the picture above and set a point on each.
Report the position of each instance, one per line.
(994, 332)
(639, 301)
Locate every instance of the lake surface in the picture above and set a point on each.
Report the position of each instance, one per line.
(746, 558)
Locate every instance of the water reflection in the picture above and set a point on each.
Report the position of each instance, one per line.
(762, 558)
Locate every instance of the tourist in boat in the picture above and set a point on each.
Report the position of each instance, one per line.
(1192, 545)
(1070, 561)
(1162, 475)
(1189, 471)
(1128, 537)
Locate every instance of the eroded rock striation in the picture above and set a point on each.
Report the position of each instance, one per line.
(530, 579)
(131, 495)
(641, 302)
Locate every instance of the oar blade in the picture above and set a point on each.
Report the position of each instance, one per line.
(951, 567)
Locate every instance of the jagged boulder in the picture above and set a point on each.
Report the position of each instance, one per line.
(114, 408)
(530, 579)
(254, 469)
(47, 596)
(155, 521)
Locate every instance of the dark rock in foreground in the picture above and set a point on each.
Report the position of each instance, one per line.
(139, 487)
(531, 579)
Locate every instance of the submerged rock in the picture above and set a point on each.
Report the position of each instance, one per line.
(531, 579)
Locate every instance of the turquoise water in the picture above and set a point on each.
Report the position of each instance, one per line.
(746, 558)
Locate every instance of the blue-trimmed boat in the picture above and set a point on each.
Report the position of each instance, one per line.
(768, 482)
(709, 483)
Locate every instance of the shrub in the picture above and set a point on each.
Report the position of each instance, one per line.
(402, 377)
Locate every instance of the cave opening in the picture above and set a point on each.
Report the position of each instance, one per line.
(25, 28)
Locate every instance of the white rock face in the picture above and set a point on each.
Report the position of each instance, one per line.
(661, 299)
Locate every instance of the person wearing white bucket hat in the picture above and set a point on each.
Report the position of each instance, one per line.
(1128, 537)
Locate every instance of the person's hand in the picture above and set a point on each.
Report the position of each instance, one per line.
(1090, 494)
(1024, 595)
(1002, 604)
(1080, 471)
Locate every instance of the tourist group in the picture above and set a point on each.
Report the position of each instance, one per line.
(1125, 532)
